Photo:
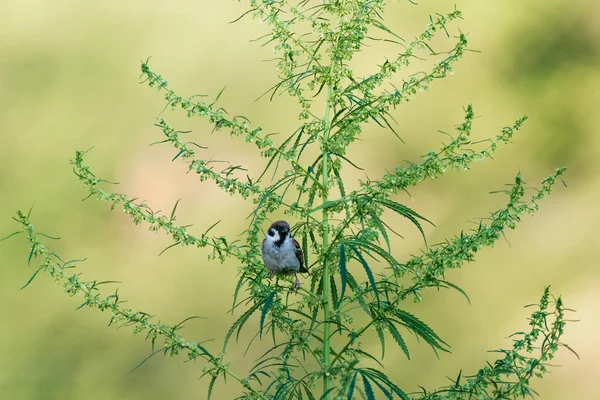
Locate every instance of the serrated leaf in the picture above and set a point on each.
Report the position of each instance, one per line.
(421, 330)
(238, 286)
(305, 249)
(398, 338)
(351, 387)
(369, 356)
(333, 287)
(381, 336)
(239, 323)
(354, 286)
(406, 212)
(376, 375)
(343, 270)
(369, 248)
(368, 388)
(263, 312)
(381, 229)
(367, 269)
(213, 379)
(384, 390)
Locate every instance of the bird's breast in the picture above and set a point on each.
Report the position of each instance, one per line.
(282, 258)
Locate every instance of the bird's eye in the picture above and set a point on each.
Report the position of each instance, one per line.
(271, 232)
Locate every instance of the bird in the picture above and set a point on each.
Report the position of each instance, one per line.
(281, 253)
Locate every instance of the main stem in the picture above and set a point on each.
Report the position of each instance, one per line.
(326, 271)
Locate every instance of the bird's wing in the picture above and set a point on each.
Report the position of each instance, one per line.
(300, 256)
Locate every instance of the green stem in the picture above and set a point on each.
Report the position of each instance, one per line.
(326, 271)
(341, 352)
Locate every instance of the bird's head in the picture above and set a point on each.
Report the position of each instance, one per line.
(278, 231)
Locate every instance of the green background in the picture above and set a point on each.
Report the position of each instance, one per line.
(69, 80)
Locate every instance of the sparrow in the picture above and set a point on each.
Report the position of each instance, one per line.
(281, 253)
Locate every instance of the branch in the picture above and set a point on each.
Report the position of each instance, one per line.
(223, 180)
(141, 213)
(238, 125)
(427, 269)
(509, 377)
(452, 156)
(367, 85)
(173, 343)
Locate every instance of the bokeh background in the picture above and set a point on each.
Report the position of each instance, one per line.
(69, 80)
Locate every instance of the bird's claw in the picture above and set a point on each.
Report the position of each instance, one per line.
(297, 285)
(271, 274)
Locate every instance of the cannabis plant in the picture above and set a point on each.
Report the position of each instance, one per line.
(355, 287)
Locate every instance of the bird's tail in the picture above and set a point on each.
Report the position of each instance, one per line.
(303, 269)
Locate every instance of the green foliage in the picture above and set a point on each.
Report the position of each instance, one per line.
(356, 285)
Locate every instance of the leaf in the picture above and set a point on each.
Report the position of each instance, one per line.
(168, 247)
(354, 286)
(271, 189)
(327, 204)
(172, 218)
(211, 385)
(320, 88)
(308, 390)
(406, 212)
(368, 388)
(348, 161)
(370, 276)
(398, 338)
(343, 271)
(31, 253)
(351, 387)
(180, 325)
(48, 236)
(239, 323)
(384, 390)
(453, 286)
(11, 235)
(379, 25)
(146, 359)
(381, 339)
(242, 16)
(376, 375)
(178, 154)
(218, 96)
(305, 249)
(457, 381)
(238, 286)
(32, 277)
(369, 247)
(210, 228)
(340, 181)
(420, 329)
(319, 292)
(263, 312)
(369, 356)
(333, 287)
(381, 229)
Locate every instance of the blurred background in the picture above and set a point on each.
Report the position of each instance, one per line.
(69, 80)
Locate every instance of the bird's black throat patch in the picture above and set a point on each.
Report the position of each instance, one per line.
(282, 237)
